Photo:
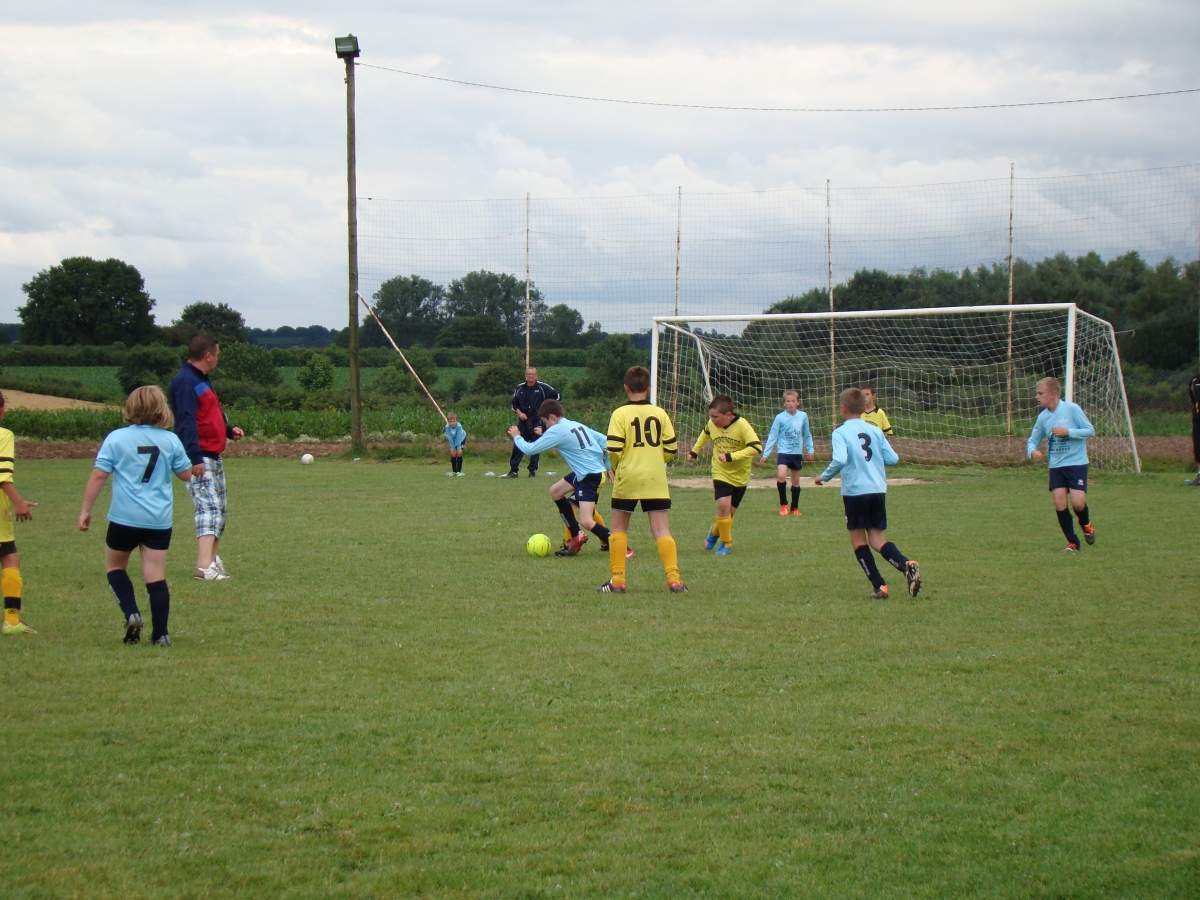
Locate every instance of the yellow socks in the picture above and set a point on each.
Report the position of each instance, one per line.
(11, 586)
(725, 530)
(617, 542)
(599, 518)
(667, 552)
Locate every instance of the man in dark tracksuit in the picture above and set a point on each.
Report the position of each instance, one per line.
(529, 395)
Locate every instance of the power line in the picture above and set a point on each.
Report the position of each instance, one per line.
(777, 109)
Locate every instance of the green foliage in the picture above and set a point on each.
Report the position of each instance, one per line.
(496, 296)
(217, 320)
(87, 301)
(561, 326)
(148, 365)
(500, 377)
(317, 374)
(607, 363)
(59, 387)
(246, 362)
(411, 310)
(477, 331)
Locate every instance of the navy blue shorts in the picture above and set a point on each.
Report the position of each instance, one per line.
(587, 488)
(1073, 478)
(125, 538)
(794, 461)
(866, 511)
(725, 489)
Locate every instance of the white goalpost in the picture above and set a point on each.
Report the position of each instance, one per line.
(957, 382)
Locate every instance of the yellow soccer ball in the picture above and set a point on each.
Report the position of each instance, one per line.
(538, 545)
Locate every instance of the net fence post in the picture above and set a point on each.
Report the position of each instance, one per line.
(832, 324)
(528, 308)
(1069, 363)
(1012, 169)
(675, 334)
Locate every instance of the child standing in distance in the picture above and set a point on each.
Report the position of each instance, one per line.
(735, 445)
(456, 437)
(1065, 429)
(792, 433)
(861, 453)
(584, 451)
(641, 440)
(141, 458)
(13, 508)
(874, 414)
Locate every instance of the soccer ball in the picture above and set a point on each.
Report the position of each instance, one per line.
(306, 458)
(538, 545)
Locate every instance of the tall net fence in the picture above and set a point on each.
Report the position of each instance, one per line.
(958, 386)
(620, 261)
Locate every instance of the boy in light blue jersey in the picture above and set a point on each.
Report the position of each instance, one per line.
(586, 452)
(141, 459)
(456, 437)
(1065, 429)
(792, 433)
(861, 453)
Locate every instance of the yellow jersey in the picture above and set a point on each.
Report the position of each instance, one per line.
(6, 475)
(739, 439)
(641, 440)
(879, 419)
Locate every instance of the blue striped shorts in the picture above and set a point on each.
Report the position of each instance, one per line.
(208, 496)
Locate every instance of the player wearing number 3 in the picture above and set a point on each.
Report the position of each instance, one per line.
(141, 458)
(641, 439)
(861, 453)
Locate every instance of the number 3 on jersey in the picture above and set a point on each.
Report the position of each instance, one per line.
(866, 445)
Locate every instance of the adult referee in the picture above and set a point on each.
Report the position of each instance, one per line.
(529, 395)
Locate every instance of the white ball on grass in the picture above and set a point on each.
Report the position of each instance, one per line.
(306, 458)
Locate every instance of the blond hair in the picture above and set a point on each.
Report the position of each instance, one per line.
(147, 405)
(1052, 383)
(795, 394)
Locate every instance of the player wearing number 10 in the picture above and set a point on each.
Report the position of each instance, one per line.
(141, 458)
(641, 439)
(861, 453)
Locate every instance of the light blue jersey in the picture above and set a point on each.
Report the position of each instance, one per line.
(860, 452)
(1062, 451)
(456, 435)
(792, 432)
(583, 448)
(141, 460)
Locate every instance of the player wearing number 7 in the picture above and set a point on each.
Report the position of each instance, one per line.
(861, 453)
(141, 459)
(584, 451)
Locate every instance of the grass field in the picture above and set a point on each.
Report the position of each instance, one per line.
(392, 698)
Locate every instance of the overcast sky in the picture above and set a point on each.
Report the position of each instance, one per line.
(206, 144)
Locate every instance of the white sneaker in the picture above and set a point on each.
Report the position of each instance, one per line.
(210, 574)
(220, 566)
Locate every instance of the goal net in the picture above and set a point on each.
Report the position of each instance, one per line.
(957, 383)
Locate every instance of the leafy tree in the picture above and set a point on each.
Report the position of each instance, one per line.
(607, 363)
(246, 362)
(560, 327)
(501, 376)
(218, 320)
(87, 301)
(411, 310)
(317, 374)
(473, 331)
(497, 296)
(148, 365)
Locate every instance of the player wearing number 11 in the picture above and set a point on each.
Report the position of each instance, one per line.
(861, 453)
(140, 458)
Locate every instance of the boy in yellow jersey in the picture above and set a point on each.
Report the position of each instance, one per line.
(12, 506)
(641, 440)
(735, 444)
(874, 414)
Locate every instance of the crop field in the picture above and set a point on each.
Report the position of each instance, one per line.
(390, 697)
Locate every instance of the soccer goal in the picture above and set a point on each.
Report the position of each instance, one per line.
(957, 382)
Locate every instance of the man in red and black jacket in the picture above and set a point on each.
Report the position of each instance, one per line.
(203, 429)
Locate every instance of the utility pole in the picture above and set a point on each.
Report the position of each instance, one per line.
(347, 50)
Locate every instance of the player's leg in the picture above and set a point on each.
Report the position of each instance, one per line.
(1083, 514)
(664, 542)
(14, 588)
(781, 474)
(587, 492)
(118, 546)
(154, 573)
(1059, 496)
(617, 542)
(860, 516)
(724, 496)
(910, 568)
(794, 509)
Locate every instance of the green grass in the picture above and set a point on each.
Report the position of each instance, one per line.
(391, 698)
